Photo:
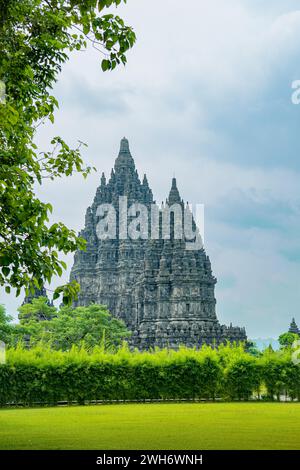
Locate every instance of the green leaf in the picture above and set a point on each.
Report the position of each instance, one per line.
(5, 271)
(105, 64)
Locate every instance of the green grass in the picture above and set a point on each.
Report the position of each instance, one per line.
(153, 426)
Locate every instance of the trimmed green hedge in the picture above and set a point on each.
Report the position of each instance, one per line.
(43, 376)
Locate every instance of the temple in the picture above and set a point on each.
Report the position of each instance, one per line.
(294, 328)
(163, 291)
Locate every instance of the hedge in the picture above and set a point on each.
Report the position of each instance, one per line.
(42, 376)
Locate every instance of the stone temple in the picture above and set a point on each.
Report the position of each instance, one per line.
(162, 291)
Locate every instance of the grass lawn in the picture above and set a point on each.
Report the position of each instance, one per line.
(153, 426)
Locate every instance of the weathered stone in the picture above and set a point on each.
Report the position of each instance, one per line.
(163, 292)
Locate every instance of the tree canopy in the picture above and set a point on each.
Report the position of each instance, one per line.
(37, 310)
(286, 340)
(36, 38)
(60, 329)
(6, 328)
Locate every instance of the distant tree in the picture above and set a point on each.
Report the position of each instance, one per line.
(36, 37)
(93, 326)
(32, 315)
(37, 309)
(6, 328)
(286, 340)
(60, 329)
(251, 348)
(269, 349)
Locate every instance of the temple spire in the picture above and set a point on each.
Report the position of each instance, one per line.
(124, 160)
(124, 146)
(145, 181)
(174, 196)
(103, 179)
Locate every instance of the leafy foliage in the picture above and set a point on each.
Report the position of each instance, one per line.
(79, 355)
(252, 348)
(286, 340)
(36, 37)
(61, 329)
(37, 310)
(41, 375)
(6, 329)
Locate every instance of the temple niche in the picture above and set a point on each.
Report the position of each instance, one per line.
(161, 290)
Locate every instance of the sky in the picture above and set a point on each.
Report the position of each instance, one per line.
(206, 95)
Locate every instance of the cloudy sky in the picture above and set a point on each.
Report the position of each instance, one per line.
(206, 95)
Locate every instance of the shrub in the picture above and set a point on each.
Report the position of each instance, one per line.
(44, 376)
(241, 378)
(280, 375)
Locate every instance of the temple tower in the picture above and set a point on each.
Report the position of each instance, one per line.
(162, 291)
